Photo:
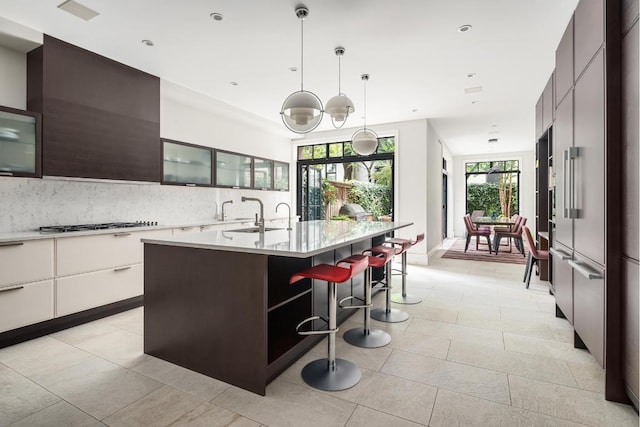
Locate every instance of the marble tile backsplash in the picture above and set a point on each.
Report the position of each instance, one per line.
(27, 203)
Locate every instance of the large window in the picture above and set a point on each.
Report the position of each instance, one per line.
(493, 187)
(332, 174)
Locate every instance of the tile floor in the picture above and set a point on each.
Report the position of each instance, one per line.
(480, 350)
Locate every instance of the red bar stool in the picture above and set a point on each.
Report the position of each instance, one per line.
(387, 314)
(365, 336)
(402, 246)
(329, 373)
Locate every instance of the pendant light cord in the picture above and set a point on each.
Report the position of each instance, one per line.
(339, 73)
(365, 104)
(301, 54)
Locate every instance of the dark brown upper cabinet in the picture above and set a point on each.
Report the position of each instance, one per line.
(589, 33)
(548, 107)
(539, 129)
(564, 64)
(100, 118)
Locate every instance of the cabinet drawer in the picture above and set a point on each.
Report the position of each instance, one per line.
(26, 261)
(563, 279)
(92, 253)
(84, 291)
(588, 306)
(22, 305)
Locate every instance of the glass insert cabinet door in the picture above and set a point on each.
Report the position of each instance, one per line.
(262, 174)
(233, 170)
(186, 164)
(281, 176)
(20, 139)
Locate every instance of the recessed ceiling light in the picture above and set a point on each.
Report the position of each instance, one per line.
(494, 126)
(464, 28)
(233, 83)
(77, 9)
(471, 75)
(216, 16)
(493, 140)
(414, 110)
(293, 69)
(474, 102)
(147, 42)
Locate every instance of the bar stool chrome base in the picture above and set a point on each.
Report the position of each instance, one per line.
(391, 315)
(375, 338)
(405, 299)
(318, 375)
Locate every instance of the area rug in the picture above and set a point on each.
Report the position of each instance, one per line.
(456, 251)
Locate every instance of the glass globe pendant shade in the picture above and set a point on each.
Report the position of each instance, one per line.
(364, 142)
(302, 111)
(339, 107)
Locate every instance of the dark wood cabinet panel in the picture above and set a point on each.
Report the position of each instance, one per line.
(630, 137)
(539, 118)
(564, 64)
(589, 32)
(562, 140)
(548, 107)
(588, 309)
(563, 282)
(589, 173)
(101, 119)
(631, 330)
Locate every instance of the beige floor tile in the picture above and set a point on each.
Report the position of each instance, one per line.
(98, 387)
(116, 345)
(520, 327)
(454, 409)
(392, 395)
(456, 332)
(581, 406)
(420, 344)
(191, 382)
(59, 414)
(209, 415)
(469, 315)
(367, 358)
(588, 377)
(159, 408)
(287, 404)
(526, 365)
(366, 417)
(131, 321)
(452, 376)
(547, 348)
(42, 357)
(20, 397)
(422, 311)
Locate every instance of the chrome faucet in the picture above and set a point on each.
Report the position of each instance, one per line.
(224, 203)
(288, 207)
(259, 222)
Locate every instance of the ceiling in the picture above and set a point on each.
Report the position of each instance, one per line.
(417, 58)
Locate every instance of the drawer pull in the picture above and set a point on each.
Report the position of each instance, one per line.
(121, 234)
(585, 271)
(122, 269)
(11, 288)
(5, 244)
(563, 256)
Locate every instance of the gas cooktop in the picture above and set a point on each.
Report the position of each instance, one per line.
(89, 227)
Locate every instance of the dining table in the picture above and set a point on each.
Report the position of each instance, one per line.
(490, 221)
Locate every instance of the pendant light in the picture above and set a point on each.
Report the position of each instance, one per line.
(302, 111)
(340, 106)
(364, 141)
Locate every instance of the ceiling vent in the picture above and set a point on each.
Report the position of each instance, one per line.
(493, 140)
(77, 9)
(476, 89)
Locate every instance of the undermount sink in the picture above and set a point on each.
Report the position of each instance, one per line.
(252, 230)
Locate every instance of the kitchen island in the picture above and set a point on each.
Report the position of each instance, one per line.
(220, 303)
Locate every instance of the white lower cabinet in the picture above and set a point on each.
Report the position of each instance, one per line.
(25, 304)
(89, 290)
(26, 261)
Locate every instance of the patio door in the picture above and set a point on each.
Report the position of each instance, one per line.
(310, 204)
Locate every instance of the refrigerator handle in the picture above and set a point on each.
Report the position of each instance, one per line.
(572, 154)
(565, 175)
(585, 271)
(563, 256)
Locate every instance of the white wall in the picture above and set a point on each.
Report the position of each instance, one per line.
(434, 188)
(185, 116)
(527, 185)
(13, 78)
(450, 195)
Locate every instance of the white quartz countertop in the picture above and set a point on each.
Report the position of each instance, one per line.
(36, 235)
(306, 239)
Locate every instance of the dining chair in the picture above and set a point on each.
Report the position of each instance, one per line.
(534, 255)
(515, 234)
(476, 232)
(476, 214)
